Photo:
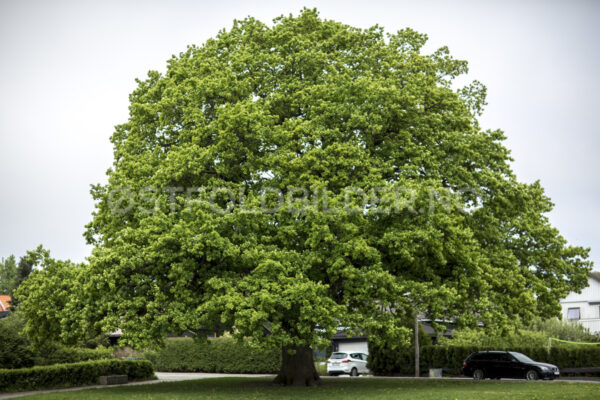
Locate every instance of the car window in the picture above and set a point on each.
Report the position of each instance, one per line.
(364, 356)
(339, 356)
(497, 356)
(355, 355)
(504, 357)
(489, 356)
(521, 357)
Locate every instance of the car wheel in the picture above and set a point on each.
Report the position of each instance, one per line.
(478, 375)
(354, 372)
(531, 375)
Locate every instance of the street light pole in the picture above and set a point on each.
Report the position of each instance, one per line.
(417, 366)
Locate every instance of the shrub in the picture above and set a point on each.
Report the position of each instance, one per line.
(53, 353)
(534, 334)
(478, 337)
(387, 361)
(218, 355)
(14, 348)
(76, 374)
(566, 330)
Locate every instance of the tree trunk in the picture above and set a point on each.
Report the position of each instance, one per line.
(298, 369)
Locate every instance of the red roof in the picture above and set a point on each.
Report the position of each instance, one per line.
(4, 302)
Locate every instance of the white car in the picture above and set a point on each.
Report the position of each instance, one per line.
(344, 363)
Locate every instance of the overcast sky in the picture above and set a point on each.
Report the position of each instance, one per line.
(67, 68)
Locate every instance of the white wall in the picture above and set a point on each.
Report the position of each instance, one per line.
(353, 347)
(589, 313)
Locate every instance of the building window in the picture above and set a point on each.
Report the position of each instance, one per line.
(573, 314)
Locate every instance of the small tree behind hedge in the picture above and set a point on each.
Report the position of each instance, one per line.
(14, 348)
(53, 353)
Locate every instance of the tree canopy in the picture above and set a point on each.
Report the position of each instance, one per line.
(281, 181)
(54, 302)
(8, 274)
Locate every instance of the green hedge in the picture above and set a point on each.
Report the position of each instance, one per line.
(76, 374)
(218, 355)
(58, 354)
(386, 361)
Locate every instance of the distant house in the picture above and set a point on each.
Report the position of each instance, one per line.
(584, 308)
(344, 343)
(4, 305)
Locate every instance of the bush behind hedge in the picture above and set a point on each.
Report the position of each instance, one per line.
(218, 355)
(386, 361)
(59, 354)
(14, 348)
(75, 374)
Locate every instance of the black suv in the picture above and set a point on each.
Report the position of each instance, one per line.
(507, 364)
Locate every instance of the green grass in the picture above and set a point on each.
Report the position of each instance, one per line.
(381, 389)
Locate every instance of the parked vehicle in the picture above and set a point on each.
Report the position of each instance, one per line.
(507, 364)
(345, 363)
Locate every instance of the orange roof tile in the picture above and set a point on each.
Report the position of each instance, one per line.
(4, 302)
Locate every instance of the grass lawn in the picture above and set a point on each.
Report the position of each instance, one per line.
(254, 388)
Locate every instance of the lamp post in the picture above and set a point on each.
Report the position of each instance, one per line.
(417, 361)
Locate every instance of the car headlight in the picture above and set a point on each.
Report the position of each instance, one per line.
(544, 368)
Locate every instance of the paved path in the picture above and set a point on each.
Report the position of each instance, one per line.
(186, 376)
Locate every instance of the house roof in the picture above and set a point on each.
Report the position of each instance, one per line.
(4, 302)
(342, 335)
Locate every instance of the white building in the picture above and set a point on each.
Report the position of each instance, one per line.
(584, 307)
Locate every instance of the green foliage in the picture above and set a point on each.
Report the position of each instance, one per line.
(14, 348)
(24, 269)
(76, 374)
(534, 334)
(218, 355)
(389, 361)
(53, 353)
(51, 301)
(424, 338)
(17, 352)
(479, 337)
(8, 274)
(322, 106)
(321, 368)
(564, 330)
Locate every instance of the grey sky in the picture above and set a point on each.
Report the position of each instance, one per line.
(68, 66)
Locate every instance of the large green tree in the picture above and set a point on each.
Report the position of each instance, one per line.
(280, 181)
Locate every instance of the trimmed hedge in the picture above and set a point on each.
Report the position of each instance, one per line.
(76, 374)
(58, 354)
(217, 355)
(385, 361)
